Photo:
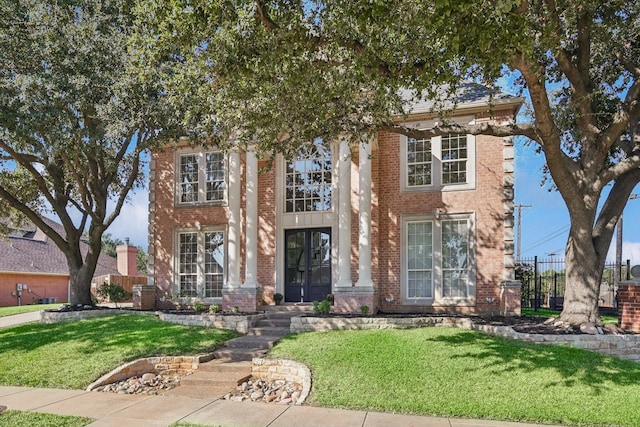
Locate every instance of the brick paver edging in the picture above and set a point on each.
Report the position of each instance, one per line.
(622, 346)
(283, 369)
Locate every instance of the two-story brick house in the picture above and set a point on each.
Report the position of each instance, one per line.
(397, 224)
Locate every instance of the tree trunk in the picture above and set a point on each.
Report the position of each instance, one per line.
(584, 266)
(80, 284)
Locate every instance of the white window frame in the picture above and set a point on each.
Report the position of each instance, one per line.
(202, 175)
(436, 161)
(200, 261)
(437, 298)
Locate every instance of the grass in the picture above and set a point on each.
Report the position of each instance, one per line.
(74, 354)
(29, 419)
(9, 311)
(461, 373)
(547, 312)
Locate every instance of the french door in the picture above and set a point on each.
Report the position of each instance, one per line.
(307, 264)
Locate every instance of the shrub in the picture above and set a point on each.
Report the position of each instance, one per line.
(112, 292)
(364, 309)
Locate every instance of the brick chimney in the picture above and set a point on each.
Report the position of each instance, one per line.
(127, 259)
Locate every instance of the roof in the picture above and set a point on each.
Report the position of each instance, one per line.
(468, 95)
(28, 250)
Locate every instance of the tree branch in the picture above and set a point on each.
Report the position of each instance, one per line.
(501, 131)
(264, 17)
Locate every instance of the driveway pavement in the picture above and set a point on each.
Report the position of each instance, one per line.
(19, 319)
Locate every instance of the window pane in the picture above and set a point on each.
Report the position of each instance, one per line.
(454, 159)
(214, 176)
(188, 178)
(188, 263)
(420, 259)
(308, 179)
(213, 264)
(419, 162)
(455, 258)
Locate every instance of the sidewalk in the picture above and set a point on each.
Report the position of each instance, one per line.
(19, 319)
(109, 409)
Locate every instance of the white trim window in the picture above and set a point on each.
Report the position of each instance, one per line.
(443, 163)
(200, 177)
(308, 179)
(438, 260)
(201, 263)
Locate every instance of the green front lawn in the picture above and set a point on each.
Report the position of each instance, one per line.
(9, 311)
(461, 373)
(547, 312)
(30, 419)
(74, 354)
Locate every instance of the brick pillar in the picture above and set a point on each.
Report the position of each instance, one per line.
(629, 305)
(144, 297)
(510, 295)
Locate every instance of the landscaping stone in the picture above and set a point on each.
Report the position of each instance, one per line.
(278, 391)
(148, 383)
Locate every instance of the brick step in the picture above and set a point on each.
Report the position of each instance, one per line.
(238, 354)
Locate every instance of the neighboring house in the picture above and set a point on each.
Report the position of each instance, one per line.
(33, 269)
(397, 224)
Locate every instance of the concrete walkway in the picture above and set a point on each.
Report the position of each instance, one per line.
(109, 409)
(19, 319)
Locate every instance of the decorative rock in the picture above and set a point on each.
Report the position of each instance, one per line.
(147, 384)
(278, 391)
(588, 328)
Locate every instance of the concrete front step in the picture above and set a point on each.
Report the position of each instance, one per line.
(238, 354)
(253, 341)
(274, 323)
(287, 307)
(268, 331)
(242, 368)
(212, 379)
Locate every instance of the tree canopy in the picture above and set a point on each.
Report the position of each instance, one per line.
(284, 72)
(73, 120)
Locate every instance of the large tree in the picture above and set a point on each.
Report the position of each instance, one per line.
(284, 72)
(73, 121)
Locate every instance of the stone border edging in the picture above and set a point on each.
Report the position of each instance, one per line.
(241, 323)
(155, 365)
(50, 317)
(622, 346)
(283, 369)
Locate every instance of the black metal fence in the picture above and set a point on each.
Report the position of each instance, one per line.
(544, 280)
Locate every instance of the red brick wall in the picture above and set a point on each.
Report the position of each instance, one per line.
(41, 286)
(388, 205)
(486, 201)
(629, 306)
(169, 217)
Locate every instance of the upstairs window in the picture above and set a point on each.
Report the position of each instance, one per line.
(201, 177)
(443, 163)
(308, 179)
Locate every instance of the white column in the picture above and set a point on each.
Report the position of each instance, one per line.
(251, 220)
(364, 207)
(344, 215)
(235, 221)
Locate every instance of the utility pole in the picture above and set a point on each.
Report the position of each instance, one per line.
(519, 207)
(618, 267)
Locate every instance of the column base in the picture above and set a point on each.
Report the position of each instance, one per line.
(246, 299)
(350, 300)
(510, 298)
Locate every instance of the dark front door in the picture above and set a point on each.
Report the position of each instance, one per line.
(308, 264)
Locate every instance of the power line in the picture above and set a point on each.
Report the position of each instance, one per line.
(548, 238)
